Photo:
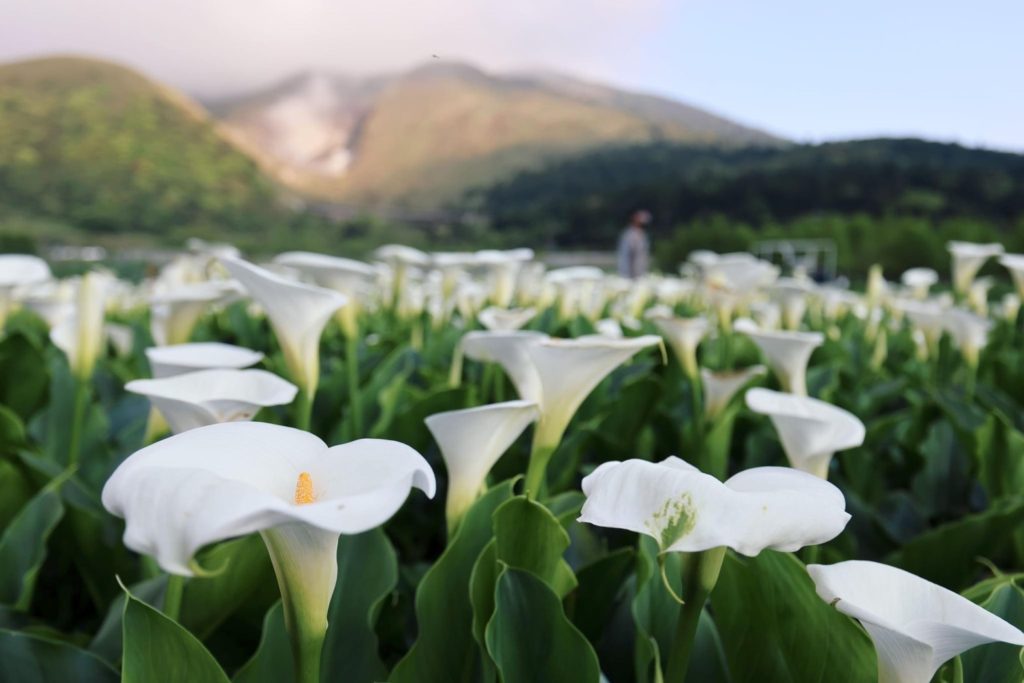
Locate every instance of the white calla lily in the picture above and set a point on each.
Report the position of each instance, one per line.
(811, 431)
(720, 387)
(471, 442)
(81, 336)
(1014, 263)
(18, 270)
(916, 626)
(52, 300)
(347, 276)
(919, 281)
(175, 312)
(166, 361)
(787, 353)
(968, 258)
(685, 510)
(683, 335)
(792, 295)
(969, 332)
(505, 319)
(297, 312)
(205, 397)
(228, 480)
(556, 374)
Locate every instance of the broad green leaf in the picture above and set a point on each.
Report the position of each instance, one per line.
(529, 537)
(998, 662)
(28, 658)
(272, 662)
(599, 591)
(367, 573)
(942, 485)
(242, 577)
(529, 637)
(774, 627)
(23, 545)
(158, 650)
(444, 649)
(17, 491)
(107, 641)
(1000, 458)
(947, 554)
(23, 375)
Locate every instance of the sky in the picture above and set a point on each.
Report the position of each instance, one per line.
(805, 70)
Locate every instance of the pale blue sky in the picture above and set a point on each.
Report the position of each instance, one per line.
(805, 70)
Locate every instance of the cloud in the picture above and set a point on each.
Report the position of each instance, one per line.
(210, 46)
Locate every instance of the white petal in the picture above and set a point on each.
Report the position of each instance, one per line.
(810, 430)
(297, 312)
(197, 399)
(473, 440)
(909, 617)
(787, 352)
(505, 320)
(174, 360)
(720, 387)
(687, 511)
(508, 349)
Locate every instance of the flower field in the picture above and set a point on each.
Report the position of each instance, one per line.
(463, 467)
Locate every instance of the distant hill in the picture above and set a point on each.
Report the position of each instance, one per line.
(105, 149)
(427, 135)
(584, 200)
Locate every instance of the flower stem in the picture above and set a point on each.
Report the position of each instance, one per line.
(352, 371)
(81, 402)
(699, 578)
(540, 455)
(172, 596)
(303, 409)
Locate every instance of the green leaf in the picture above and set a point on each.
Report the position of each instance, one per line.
(242, 577)
(107, 641)
(28, 658)
(774, 627)
(158, 650)
(947, 554)
(998, 662)
(599, 590)
(444, 649)
(530, 638)
(367, 573)
(1000, 458)
(530, 537)
(17, 491)
(23, 545)
(272, 662)
(23, 375)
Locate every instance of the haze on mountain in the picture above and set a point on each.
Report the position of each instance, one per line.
(429, 134)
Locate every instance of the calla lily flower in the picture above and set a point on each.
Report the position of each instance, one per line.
(685, 510)
(503, 268)
(174, 313)
(471, 442)
(298, 314)
(968, 258)
(228, 480)
(505, 320)
(82, 336)
(926, 316)
(52, 300)
(811, 431)
(684, 335)
(792, 296)
(206, 397)
(720, 387)
(969, 332)
(18, 270)
(609, 327)
(916, 626)
(347, 276)
(919, 281)
(787, 353)
(166, 361)
(556, 374)
(1014, 263)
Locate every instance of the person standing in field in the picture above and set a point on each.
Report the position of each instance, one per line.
(634, 248)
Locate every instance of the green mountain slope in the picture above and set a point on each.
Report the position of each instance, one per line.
(103, 148)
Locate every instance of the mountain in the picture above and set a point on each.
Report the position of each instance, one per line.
(103, 148)
(431, 133)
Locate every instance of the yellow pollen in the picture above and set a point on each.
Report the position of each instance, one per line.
(304, 489)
